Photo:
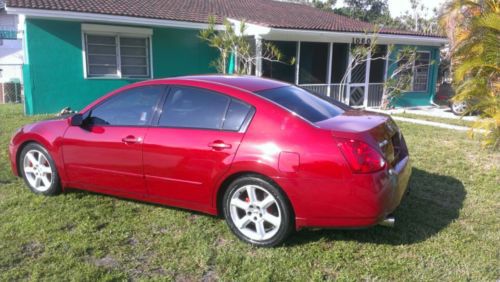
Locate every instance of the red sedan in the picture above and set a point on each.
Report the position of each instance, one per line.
(268, 156)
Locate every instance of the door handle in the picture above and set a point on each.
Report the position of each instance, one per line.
(131, 139)
(219, 145)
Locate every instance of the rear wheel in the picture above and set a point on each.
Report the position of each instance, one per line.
(38, 170)
(257, 212)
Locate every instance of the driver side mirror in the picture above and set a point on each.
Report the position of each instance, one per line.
(77, 120)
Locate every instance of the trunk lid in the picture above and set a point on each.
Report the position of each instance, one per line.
(376, 129)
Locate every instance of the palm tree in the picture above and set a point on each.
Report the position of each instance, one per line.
(473, 27)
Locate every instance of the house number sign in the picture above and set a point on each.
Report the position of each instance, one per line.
(361, 41)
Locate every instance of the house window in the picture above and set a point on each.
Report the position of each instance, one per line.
(116, 52)
(419, 72)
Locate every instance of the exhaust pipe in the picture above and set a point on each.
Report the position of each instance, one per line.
(388, 221)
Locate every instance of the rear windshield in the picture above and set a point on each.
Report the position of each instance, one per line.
(305, 104)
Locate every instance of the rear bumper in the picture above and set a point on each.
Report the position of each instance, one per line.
(365, 201)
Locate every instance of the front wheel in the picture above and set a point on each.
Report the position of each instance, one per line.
(459, 108)
(257, 212)
(39, 170)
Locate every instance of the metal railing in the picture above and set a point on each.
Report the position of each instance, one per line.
(374, 97)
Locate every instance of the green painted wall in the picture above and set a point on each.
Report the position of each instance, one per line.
(53, 73)
(412, 99)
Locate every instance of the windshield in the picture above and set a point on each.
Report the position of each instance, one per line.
(305, 104)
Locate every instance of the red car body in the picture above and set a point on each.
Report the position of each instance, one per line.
(175, 167)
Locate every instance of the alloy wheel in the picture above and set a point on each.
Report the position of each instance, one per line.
(255, 212)
(37, 170)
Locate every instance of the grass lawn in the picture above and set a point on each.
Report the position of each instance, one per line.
(459, 122)
(448, 228)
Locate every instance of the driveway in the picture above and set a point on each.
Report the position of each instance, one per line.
(434, 111)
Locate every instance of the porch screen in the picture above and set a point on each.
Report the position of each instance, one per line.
(377, 64)
(340, 59)
(283, 70)
(313, 63)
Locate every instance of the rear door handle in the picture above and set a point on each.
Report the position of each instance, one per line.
(219, 145)
(130, 139)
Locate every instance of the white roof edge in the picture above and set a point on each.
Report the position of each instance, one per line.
(380, 36)
(298, 34)
(104, 18)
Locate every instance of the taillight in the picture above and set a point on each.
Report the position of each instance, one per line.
(362, 158)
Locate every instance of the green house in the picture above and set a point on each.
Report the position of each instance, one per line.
(76, 51)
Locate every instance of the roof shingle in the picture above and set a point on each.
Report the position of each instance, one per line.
(263, 12)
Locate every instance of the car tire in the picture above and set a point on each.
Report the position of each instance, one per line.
(39, 170)
(258, 212)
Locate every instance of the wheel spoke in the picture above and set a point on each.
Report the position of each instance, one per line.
(240, 204)
(46, 169)
(261, 231)
(38, 181)
(32, 158)
(45, 181)
(243, 222)
(267, 202)
(274, 220)
(251, 194)
(29, 169)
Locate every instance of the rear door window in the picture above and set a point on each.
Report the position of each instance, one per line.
(191, 107)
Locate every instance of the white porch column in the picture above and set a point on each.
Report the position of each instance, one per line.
(348, 83)
(367, 79)
(329, 70)
(258, 55)
(297, 64)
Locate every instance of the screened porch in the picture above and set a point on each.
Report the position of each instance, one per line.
(324, 67)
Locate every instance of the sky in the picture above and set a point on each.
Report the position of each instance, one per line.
(398, 7)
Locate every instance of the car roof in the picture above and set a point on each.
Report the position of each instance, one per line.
(245, 82)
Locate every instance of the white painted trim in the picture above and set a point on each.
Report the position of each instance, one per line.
(84, 54)
(367, 79)
(258, 51)
(346, 37)
(91, 28)
(297, 64)
(93, 17)
(329, 70)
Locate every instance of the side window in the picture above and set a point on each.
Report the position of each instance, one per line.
(189, 107)
(235, 116)
(133, 107)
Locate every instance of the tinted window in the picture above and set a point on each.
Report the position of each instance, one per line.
(235, 116)
(194, 108)
(303, 103)
(133, 107)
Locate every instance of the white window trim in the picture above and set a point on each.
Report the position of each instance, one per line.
(413, 69)
(117, 31)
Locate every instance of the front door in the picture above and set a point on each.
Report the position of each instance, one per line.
(105, 153)
(197, 136)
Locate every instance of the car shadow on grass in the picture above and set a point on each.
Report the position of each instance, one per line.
(433, 203)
